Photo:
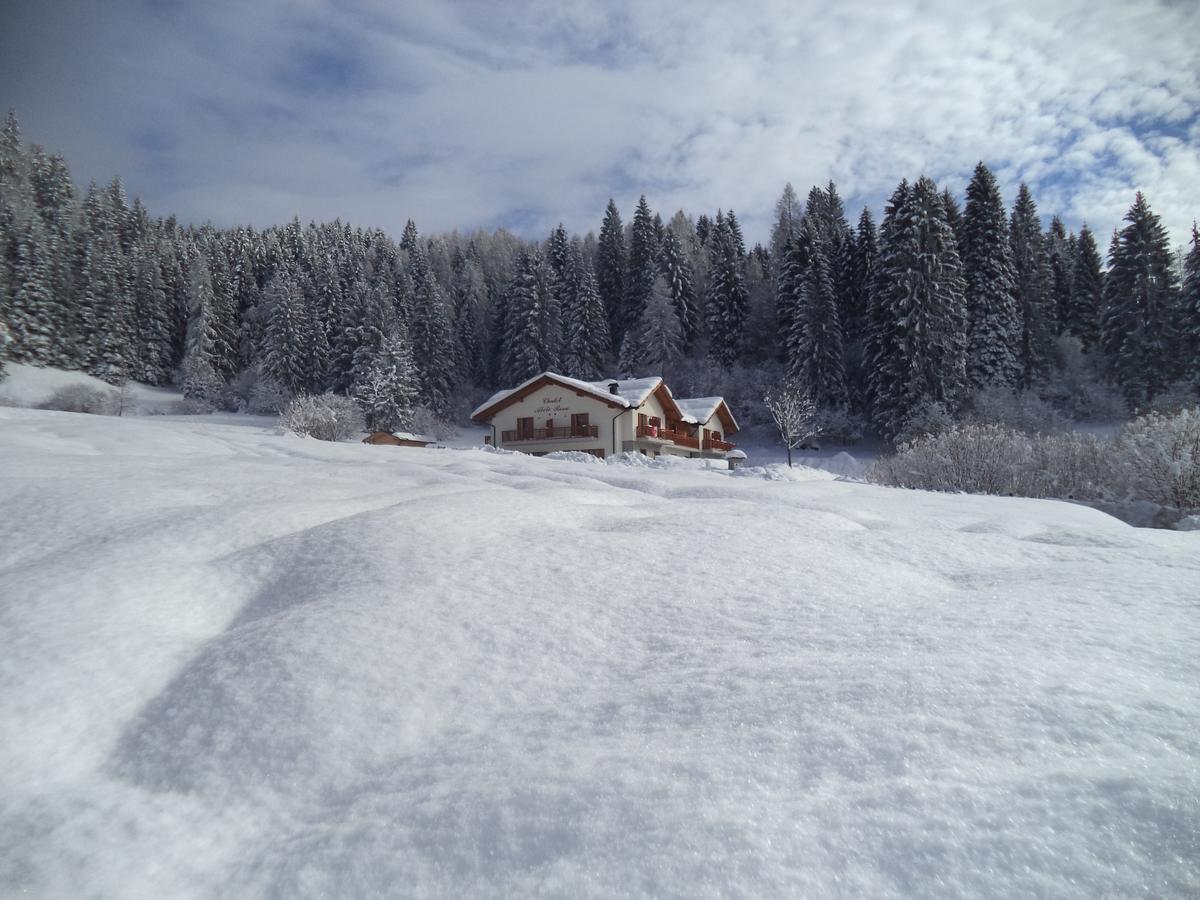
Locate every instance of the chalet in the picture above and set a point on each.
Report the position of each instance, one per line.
(551, 412)
(398, 439)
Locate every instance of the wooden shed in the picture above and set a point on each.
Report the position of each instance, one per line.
(398, 439)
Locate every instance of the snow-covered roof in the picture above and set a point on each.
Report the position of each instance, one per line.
(631, 392)
(736, 454)
(408, 436)
(698, 410)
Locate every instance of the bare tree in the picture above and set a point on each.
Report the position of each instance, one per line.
(795, 415)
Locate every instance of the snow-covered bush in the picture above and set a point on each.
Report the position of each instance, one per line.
(1074, 465)
(1023, 411)
(267, 397)
(326, 417)
(1173, 399)
(1160, 455)
(930, 417)
(976, 459)
(80, 398)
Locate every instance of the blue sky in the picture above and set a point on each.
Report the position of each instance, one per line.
(521, 115)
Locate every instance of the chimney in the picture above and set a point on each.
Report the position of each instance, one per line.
(612, 387)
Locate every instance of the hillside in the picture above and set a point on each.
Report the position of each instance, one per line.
(238, 663)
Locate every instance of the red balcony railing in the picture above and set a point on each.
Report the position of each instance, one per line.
(714, 444)
(657, 432)
(550, 434)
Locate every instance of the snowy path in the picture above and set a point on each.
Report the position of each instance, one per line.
(240, 664)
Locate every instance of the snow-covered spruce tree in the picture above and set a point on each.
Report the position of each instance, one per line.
(735, 233)
(920, 301)
(155, 355)
(881, 332)
(587, 344)
(285, 340)
(1087, 291)
(54, 199)
(954, 216)
(1059, 259)
(993, 326)
(432, 337)
(408, 240)
(854, 327)
(789, 212)
(386, 389)
(1140, 300)
(659, 335)
(816, 356)
(1188, 328)
(642, 266)
(725, 305)
(1034, 300)
(470, 303)
(532, 326)
(676, 269)
(31, 304)
(610, 270)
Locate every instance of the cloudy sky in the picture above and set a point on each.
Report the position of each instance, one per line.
(522, 114)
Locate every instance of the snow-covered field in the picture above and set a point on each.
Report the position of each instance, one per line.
(31, 385)
(239, 664)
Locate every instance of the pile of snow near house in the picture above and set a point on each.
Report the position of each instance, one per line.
(237, 663)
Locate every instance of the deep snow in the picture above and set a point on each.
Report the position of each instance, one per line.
(237, 663)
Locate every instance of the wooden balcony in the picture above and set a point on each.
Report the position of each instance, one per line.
(565, 433)
(714, 444)
(658, 433)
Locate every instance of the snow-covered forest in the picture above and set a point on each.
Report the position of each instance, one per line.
(881, 323)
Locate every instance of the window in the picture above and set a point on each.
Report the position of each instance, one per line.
(525, 427)
(579, 423)
(643, 419)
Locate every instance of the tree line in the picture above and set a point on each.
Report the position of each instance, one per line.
(935, 302)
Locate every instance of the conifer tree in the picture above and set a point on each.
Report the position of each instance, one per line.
(993, 326)
(642, 266)
(31, 307)
(735, 232)
(725, 305)
(1188, 327)
(1059, 261)
(200, 379)
(408, 240)
(1087, 291)
(386, 388)
(816, 346)
(1034, 300)
(788, 214)
(432, 337)
(854, 327)
(610, 270)
(919, 352)
(285, 341)
(655, 344)
(587, 342)
(1140, 299)
(676, 269)
(529, 337)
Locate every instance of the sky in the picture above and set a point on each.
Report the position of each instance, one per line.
(521, 115)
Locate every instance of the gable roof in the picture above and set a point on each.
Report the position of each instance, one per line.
(630, 394)
(698, 410)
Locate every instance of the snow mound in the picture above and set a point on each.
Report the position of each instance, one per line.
(26, 385)
(1188, 523)
(238, 665)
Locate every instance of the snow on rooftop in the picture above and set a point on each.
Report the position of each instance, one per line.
(631, 392)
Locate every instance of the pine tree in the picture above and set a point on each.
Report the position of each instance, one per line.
(1034, 300)
(676, 269)
(1140, 299)
(735, 233)
(408, 240)
(1087, 291)
(920, 347)
(854, 326)
(642, 266)
(1059, 261)
(31, 308)
(725, 305)
(816, 347)
(610, 270)
(200, 379)
(587, 342)
(386, 388)
(285, 341)
(993, 326)
(1188, 327)
(470, 304)
(154, 356)
(788, 214)
(659, 336)
(529, 338)
(432, 337)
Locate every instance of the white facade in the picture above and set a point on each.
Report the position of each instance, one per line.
(552, 412)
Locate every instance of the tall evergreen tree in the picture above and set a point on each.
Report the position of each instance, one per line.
(1059, 259)
(919, 352)
(1034, 300)
(789, 212)
(587, 344)
(530, 337)
(610, 270)
(286, 341)
(432, 337)
(1140, 299)
(1188, 327)
(993, 325)
(655, 344)
(31, 307)
(676, 269)
(642, 266)
(1087, 291)
(725, 305)
(817, 351)
(386, 388)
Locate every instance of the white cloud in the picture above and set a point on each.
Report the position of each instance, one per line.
(464, 114)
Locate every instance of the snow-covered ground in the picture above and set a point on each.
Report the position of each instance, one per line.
(240, 664)
(31, 385)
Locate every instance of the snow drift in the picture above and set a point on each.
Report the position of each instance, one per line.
(244, 664)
